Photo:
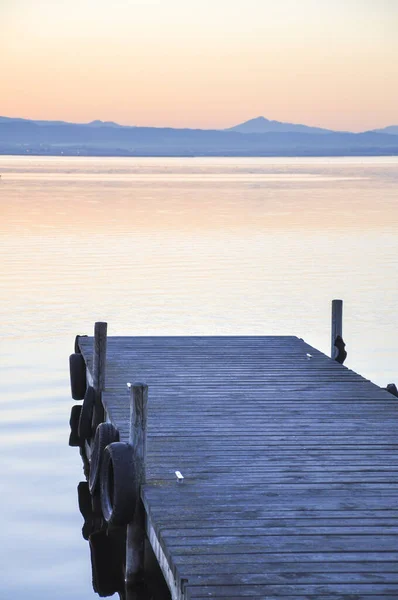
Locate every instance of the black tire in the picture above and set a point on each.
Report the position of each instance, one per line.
(74, 439)
(107, 571)
(106, 434)
(342, 353)
(85, 461)
(84, 498)
(392, 388)
(86, 416)
(118, 496)
(96, 505)
(92, 521)
(98, 415)
(96, 523)
(77, 347)
(78, 381)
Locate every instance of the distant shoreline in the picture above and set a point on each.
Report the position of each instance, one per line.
(81, 154)
(21, 137)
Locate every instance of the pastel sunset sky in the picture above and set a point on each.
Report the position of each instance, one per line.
(201, 63)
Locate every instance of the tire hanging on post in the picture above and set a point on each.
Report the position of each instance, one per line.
(77, 347)
(106, 434)
(86, 417)
(74, 439)
(78, 378)
(118, 495)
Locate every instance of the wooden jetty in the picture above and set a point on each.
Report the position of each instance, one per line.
(262, 468)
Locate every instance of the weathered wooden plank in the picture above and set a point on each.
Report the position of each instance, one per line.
(292, 577)
(249, 543)
(241, 530)
(307, 572)
(280, 520)
(306, 592)
(293, 561)
(328, 596)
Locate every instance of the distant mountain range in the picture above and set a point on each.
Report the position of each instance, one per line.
(263, 125)
(96, 123)
(392, 130)
(256, 137)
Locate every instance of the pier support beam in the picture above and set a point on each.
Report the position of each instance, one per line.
(337, 325)
(99, 368)
(136, 528)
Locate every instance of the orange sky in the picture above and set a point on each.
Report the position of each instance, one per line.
(207, 63)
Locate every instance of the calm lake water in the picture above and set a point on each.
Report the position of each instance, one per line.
(168, 246)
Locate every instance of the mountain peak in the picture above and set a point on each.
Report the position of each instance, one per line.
(259, 120)
(99, 123)
(263, 125)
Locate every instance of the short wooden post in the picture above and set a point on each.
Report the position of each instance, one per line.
(337, 325)
(99, 358)
(136, 528)
(99, 368)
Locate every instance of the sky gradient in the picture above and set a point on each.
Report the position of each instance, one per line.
(206, 64)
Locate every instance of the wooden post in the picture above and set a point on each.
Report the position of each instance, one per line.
(337, 325)
(136, 528)
(99, 358)
(99, 366)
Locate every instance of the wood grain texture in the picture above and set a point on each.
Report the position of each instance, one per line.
(99, 369)
(290, 467)
(137, 438)
(99, 356)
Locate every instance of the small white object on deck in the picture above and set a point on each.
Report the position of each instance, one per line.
(308, 356)
(180, 477)
(128, 384)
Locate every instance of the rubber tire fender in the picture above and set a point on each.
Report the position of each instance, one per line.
(74, 439)
(107, 568)
(86, 416)
(96, 505)
(85, 461)
(77, 347)
(392, 388)
(117, 484)
(106, 434)
(78, 379)
(84, 499)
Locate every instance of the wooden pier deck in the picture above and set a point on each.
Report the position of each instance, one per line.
(290, 465)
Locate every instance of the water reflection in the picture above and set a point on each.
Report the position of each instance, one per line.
(86, 197)
(107, 547)
(108, 553)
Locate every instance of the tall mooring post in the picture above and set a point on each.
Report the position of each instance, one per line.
(136, 528)
(99, 369)
(337, 325)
